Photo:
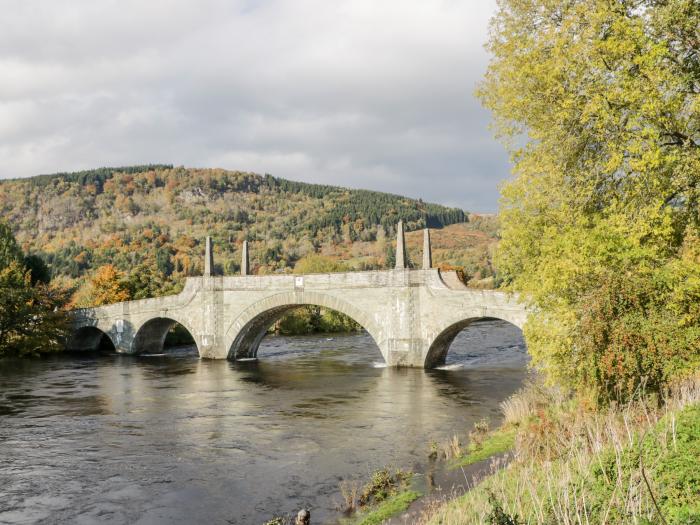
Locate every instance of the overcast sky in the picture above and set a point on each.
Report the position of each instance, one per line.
(361, 93)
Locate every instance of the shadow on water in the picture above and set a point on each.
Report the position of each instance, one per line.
(173, 439)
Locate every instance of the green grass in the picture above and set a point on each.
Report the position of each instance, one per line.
(388, 508)
(495, 443)
(609, 484)
(673, 469)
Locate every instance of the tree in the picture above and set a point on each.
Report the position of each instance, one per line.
(164, 262)
(39, 272)
(599, 104)
(108, 285)
(148, 280)
(9, 250)
(31, 317)
(390, 256)
(315, 263)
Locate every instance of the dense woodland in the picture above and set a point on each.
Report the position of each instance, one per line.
(149, 223)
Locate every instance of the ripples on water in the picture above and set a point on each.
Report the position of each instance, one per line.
(167, 438)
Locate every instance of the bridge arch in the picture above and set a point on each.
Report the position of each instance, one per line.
(89, 338)
(151, 335)
(442, 339)
(245, 333)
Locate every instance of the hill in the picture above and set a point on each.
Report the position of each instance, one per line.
(157, 217)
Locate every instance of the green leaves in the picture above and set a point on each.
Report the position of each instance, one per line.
(31, 319)
(599, 105)
(9, 250)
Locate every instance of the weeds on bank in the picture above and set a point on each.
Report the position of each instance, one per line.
(382, 484)
(350, 492)
(385, 494)
(481, 445)
(634, 463)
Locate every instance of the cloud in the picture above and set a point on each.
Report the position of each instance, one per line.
(368, 94)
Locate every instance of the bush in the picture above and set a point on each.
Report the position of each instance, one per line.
(630, 335)
(31, 317)
(498, 516)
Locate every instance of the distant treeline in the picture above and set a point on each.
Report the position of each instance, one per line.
(371, 206)
(95, 176)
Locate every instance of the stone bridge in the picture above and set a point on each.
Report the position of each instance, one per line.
(413, 315)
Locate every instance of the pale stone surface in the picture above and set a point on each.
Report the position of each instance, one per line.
(208, 258)
(412, 315)
(427, 251)
(401, 259)
(245, 261)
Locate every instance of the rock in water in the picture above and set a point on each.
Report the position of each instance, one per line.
(303, 517)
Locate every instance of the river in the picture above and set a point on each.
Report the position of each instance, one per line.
(170, 438)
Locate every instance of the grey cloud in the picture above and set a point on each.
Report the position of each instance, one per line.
(360, 93)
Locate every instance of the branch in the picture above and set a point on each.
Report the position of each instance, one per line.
(646, 481)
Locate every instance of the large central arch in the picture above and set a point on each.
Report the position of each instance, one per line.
(245, 333)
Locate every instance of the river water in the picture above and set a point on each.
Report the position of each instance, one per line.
(174, 439)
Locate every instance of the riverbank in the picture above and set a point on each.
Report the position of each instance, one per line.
(635, 463)
(452, 469)
(554, 460)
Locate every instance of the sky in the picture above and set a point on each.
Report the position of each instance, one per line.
(360, 93)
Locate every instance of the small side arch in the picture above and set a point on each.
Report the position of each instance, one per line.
(440, 345)
(89, 338)
(150, 336)
(245, 333)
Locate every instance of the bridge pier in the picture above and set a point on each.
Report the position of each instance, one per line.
(404, 353)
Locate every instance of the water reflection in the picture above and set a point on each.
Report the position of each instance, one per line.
(120, 439)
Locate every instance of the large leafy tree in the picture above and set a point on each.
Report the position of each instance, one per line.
(148, 280)
(107, 285)
(315, 263)
(32, 320)
(598, 102)
(9, 250)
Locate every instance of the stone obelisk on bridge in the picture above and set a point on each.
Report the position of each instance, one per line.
(427, 250)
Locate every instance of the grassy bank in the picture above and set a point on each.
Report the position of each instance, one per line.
(388, 508)
(481, 448)
(384, 495)
(636, 463)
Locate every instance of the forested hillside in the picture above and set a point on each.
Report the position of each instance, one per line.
(150, 221)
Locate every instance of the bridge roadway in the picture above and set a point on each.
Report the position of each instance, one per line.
(413, 315)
